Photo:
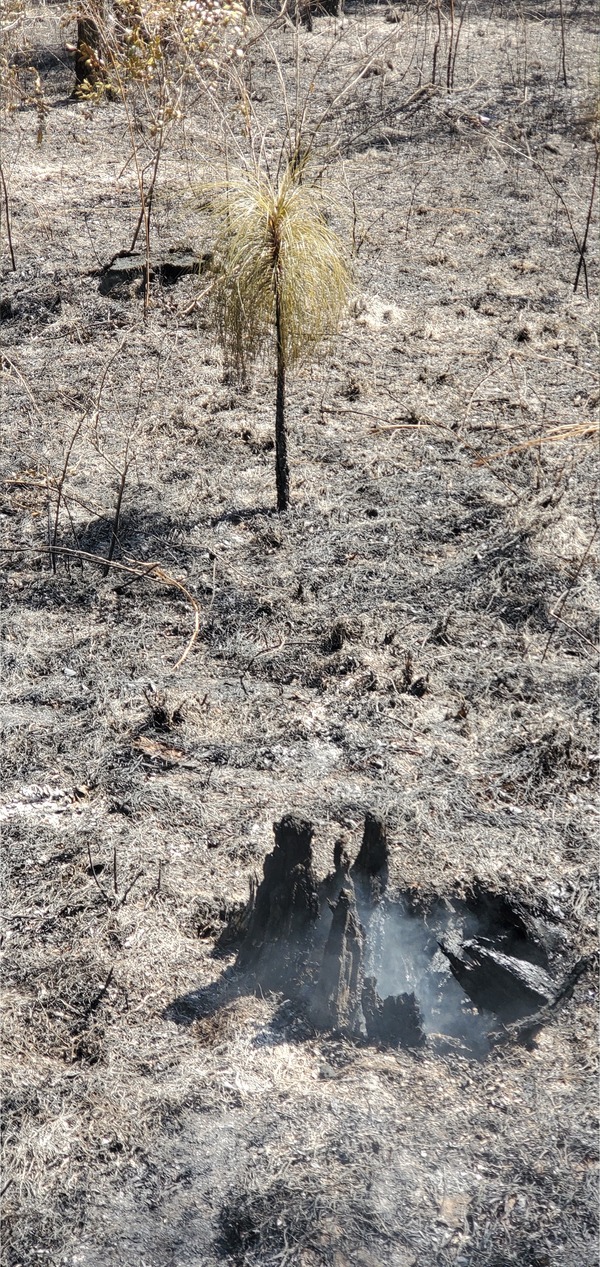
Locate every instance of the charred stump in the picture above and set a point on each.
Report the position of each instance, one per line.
(309, 940)
(285, 907)
(396, 1021)
(338, 995)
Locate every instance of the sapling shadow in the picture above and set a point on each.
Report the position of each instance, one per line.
(120, 465)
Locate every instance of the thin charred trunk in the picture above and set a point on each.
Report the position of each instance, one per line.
(282, 473)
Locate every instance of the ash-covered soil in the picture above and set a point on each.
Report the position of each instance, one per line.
(417, 637)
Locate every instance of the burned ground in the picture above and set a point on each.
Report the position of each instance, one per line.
(416, 637)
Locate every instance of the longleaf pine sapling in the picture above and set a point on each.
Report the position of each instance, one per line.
(282, 281)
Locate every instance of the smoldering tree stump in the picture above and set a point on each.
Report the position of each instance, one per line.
(285, 908)
(287, 942)
(338, 995)
(396, 1021)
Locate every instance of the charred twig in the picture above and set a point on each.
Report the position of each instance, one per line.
(582, 249)
(152, 570)
(438, 10)
(456, 43)
(557, 614)
(95, 877)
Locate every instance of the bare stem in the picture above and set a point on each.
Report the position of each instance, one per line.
(450, 48)
(59, 490)
(7, 214)
(563, 44)
(282, 472)
(437, 41)
(115, 526)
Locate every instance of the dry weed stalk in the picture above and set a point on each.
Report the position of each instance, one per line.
(575, 431)
(7, 220)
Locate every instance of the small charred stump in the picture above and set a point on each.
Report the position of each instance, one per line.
(289, 942)
(396, 1021)
(338, 995)
(285, 907)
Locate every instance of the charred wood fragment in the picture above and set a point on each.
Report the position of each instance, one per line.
(338, 995)
(526, 1030)
(496, 982)
(396, 1021)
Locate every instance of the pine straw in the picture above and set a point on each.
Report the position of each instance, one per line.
(274, 243)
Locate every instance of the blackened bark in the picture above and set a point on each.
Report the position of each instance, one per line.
(396, 1021)
(338, 993)
(496, 982)
(285, 908)
(282, 473)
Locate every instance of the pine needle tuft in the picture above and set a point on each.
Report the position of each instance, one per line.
(274, 248)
